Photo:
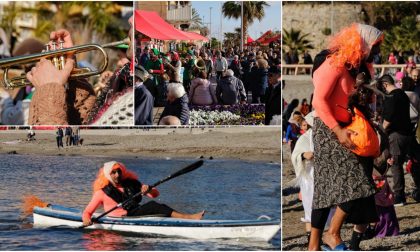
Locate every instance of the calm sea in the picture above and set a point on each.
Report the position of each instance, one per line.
(226, 189)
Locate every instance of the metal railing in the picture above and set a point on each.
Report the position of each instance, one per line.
(302, 69)
(179, 14)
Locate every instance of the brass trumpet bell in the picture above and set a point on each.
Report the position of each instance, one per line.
(57, 57)
(200, 64)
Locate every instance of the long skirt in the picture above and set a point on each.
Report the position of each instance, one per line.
(339, 175)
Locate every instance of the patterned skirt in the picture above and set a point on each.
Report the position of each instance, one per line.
(339, 175)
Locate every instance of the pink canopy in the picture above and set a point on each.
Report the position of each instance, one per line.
(152, 25)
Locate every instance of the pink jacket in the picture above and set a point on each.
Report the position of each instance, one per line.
(200, 93)
(100, 198)
(332, 88)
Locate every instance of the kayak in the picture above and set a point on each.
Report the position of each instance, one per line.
(59, 216)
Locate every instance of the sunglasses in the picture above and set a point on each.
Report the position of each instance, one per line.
(116, 171)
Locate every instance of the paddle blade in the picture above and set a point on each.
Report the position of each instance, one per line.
(29, 202)
(187, 169)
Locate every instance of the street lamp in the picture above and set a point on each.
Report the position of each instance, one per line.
(210, 28)
(242, 26)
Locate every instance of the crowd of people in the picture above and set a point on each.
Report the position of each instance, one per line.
(352, 133)
(208, 77)
(71, 135)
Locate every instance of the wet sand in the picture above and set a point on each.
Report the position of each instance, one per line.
(243, 143)
(294, 237)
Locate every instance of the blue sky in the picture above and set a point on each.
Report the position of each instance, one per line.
(272, 19)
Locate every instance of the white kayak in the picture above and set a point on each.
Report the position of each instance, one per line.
(59, 216)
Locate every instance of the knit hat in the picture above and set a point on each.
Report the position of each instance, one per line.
(155, 51)
(399, 76)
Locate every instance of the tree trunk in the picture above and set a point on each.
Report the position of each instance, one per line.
(245, 27)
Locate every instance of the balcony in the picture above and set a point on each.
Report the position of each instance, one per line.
(179, 15)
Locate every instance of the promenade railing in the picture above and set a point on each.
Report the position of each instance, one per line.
(304, 69)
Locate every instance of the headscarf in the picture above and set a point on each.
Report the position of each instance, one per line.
(104, 175)
(353, 44)
(175, 56)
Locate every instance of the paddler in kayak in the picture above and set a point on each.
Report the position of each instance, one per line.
(115, 184)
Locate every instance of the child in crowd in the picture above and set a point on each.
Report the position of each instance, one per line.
(293, 130)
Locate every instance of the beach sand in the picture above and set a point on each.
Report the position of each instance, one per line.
(294, 237)
(243, 143)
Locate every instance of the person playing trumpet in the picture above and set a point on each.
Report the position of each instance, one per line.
(54, 102)
(61, 101)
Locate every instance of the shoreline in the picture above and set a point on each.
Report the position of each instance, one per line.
(250, 144)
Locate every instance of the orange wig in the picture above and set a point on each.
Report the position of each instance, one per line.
(102, 181)
(349, 47)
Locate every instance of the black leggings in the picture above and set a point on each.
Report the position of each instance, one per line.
(359, 211)
(151, 208)
(319, 217)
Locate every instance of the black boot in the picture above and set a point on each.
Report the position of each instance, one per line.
(356, 238)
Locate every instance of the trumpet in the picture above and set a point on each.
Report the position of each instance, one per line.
(56, 53)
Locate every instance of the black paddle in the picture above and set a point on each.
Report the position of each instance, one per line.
(187, 169)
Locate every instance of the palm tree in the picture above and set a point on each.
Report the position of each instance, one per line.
(196, 21)
(232, 38)
(11, 12)
(296, 41)
(87, 21)
(404, 37)
(252, 10)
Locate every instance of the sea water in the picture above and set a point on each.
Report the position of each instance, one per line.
(226, 189)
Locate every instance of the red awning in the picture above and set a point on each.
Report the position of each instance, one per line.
(249, 40)
(262, 38)
(195, 36)
(269, 40)
(152, 25)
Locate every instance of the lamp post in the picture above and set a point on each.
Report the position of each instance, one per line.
(210, 28)
(221, 26)
(242, 26)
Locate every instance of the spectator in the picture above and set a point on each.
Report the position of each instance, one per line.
(391, 59)
(304, 107)
(188, 70)
(397, 123)
(230, 90)
(143, 103)
(221, 65)
(68, 134)
(173, 68)
(59, 137)
(415, 77)
(307, 59)
(209, 65)
(145, 57)
(200, 91)
(236, 66)
(400, 58)
(273, 95)
(176, 111)
(260, 81)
